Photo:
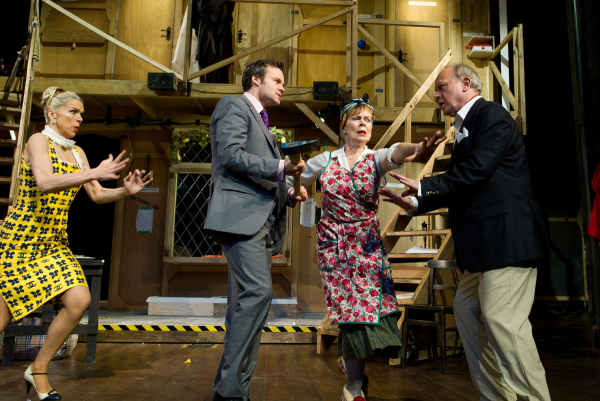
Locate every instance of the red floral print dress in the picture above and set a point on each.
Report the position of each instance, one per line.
(355, 270)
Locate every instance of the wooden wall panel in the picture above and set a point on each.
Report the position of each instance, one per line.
(322, 50)
(140, 24)
(62, 60)
(139, 270)
(421, 45)
(260, 23)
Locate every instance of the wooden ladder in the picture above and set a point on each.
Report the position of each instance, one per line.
(15, 110)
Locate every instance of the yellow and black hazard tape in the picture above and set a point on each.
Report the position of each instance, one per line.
(145, 327)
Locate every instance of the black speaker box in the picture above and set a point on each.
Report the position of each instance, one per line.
(325, 90)
(162, 81)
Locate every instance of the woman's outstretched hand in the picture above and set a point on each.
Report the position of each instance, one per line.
(109, 168)
(428, 145)
(135, 182)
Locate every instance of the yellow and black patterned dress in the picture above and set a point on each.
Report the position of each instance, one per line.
(36, 263)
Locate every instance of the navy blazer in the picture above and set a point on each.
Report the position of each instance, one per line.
(494, 215)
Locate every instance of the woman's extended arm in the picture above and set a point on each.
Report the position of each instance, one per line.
(407, 152)
(36, 156)
(132, 184)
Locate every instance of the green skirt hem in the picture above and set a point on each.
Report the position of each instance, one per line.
(358, 341)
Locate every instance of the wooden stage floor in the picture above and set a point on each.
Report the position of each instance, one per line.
(138, 371)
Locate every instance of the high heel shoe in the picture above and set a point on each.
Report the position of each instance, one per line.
(52, 395)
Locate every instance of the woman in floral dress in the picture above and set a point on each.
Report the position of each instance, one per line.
(36, 264)
(355, 270)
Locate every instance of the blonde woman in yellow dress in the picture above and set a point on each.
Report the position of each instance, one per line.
(36, 264)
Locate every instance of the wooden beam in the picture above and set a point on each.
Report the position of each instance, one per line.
(266, 44)
(411, 105)
(393, 59)
(28, 76)
(503, 84)
(348, 51)
(522, 110)
(354, 51)
(314, 2)
(498, 49)
(145, 104)
(516, 68)
(374, 21)
(199, 104)
(390, 40)
(102, 87)
(322, 126)
(110, 38)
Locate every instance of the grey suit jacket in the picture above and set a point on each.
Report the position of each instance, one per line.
(245, 160)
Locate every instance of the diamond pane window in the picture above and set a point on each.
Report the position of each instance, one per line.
(189, 239)
(196, 154)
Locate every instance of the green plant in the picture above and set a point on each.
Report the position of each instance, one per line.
(201, 137)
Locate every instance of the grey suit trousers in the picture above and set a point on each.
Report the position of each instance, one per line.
(249, 295)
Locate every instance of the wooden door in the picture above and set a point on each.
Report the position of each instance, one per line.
(140, 25)
(259, 23)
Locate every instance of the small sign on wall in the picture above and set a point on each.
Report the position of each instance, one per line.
(143, 220)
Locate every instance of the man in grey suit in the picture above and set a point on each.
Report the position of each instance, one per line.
(248, 196)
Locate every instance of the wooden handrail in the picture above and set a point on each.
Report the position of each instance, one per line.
(413, 102)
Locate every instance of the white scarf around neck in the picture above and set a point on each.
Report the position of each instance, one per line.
(62, 141)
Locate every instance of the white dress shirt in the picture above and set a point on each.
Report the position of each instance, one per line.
(461, 133)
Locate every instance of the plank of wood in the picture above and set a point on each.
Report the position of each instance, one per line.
(433, 212)
(145, 104)
(395, 61)
(416, 98)
(111, 39)
(10, 110)
(522, 109)
(504, 42)
(503, 84)
(322, 126)
(264, 45)
(375, 21)
(354, 52)
(308, 2)
(419, 233)
(72, 36)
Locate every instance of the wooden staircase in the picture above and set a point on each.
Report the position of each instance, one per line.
(15, 109)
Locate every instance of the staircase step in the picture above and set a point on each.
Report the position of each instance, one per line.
(411, 257)
(10, 110)
(433, 212)
(433, 174)
(5, 201)
(7, 161)
(8, 143)
(10, 99)
(422, 233)
(6, 126)
(450, 142)
(5, 180)
(444, 158)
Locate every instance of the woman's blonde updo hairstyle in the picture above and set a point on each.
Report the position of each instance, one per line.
(54, 98)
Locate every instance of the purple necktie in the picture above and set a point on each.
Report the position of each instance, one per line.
(265, 117)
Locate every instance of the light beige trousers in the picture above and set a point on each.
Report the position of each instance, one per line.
(492, 315)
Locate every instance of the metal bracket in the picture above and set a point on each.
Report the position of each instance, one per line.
(168, 35)
(240, 35)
